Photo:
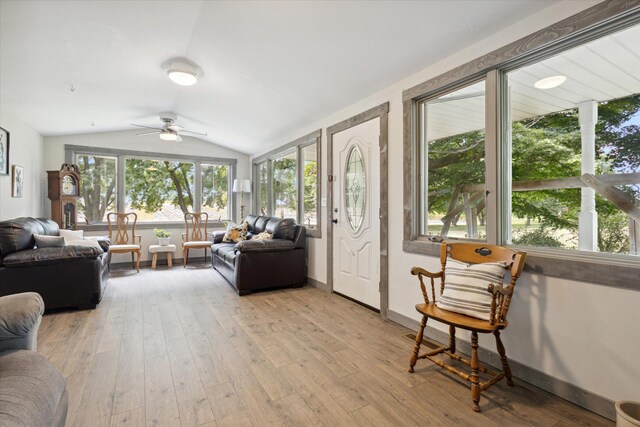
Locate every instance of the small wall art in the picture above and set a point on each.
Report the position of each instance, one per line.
(17, 181)
(4, 152)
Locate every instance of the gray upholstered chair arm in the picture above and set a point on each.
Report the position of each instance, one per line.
(20, 316)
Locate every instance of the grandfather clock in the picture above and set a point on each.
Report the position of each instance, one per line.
(64, 192)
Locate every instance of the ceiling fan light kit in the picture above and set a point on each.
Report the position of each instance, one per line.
(169, 135)
(183, 72)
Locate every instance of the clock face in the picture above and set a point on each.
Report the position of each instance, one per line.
(69, 185)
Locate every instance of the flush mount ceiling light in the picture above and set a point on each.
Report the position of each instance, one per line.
(183, 72)
(550, 82)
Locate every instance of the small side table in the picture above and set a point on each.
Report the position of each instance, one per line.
(156, 249)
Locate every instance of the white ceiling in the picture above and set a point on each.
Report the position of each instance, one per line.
(269, 67)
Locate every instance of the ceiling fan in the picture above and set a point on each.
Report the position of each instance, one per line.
(170, 131)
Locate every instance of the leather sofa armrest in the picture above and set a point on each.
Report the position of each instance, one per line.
(272, 245)
(217, 236)
(20, 316)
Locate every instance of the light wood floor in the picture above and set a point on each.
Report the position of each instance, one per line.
(179, 347)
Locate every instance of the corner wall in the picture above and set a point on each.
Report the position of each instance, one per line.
(127, 140)
(26, 150)
(581, 333)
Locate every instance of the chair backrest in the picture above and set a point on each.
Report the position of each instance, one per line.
(478, 253)
(122, 236)
(196, 223)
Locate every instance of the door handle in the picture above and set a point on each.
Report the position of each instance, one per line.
(335, 221)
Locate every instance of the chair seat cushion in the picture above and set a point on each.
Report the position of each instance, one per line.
(459, 320)
(465, 287)
(197, 244)
(116, 248)
(31, 389)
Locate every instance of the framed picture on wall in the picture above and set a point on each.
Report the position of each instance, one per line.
(17, 181)
(4, 152)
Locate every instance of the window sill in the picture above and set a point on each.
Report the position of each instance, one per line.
(620, 271)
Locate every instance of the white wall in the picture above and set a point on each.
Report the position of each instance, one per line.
(562, 328)
(27, 151)
(127, 140)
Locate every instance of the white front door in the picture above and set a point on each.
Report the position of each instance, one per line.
(356, 235)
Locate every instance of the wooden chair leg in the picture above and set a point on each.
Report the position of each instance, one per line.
(138, 261)
(503, 358)
(186, 257)
(416, 347)
(452, 339)
(475, 376)
(133, 263)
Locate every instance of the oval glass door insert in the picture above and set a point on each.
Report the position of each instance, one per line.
(355, 188)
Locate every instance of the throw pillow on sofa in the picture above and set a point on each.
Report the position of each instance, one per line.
(44, 241)
(236, 233)
(265, 235)
(71, 234)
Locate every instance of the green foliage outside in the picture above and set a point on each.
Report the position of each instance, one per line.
(97, 187)
(310, 175)
(543, 148)
(215, 188)
(284, 187)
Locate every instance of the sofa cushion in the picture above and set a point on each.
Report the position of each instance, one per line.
(44, 241)
(251, 220)
(31, 389)
(17, 234)
(281, 228)
(271, 245)
(47, 256)
(225, 251)
(261, 224)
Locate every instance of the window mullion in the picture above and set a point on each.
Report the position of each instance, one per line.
(494, 167)
(120, 183)
(197, 203)
(300, 185)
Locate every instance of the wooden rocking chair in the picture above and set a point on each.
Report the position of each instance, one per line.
(500, 297)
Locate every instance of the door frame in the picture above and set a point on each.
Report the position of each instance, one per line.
(382, 112)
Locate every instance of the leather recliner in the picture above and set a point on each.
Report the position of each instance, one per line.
(263, 264)
(70, 276)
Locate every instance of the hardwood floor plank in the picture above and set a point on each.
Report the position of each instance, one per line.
(192, 400)
(294, 412)
(129, 394)
(161, 406)
(133, 418)
(227, 407)
(96, 404)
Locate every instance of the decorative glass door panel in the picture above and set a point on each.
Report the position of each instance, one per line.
(355, 188)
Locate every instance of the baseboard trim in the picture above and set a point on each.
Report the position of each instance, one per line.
(574, 394)
(160, 263)
(317, 284)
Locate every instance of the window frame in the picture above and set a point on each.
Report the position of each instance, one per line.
(297, 145)
(593, 23)
(71, 151)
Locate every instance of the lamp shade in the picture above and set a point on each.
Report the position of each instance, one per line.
(241, 186)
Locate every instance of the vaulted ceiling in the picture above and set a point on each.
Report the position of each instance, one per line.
(268, 67)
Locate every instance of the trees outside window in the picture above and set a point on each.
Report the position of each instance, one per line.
(215, 191)
(97, 187)
(284, 184)
(310, 185)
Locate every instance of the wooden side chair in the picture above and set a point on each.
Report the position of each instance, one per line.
(196, 234)
(476, 269)
(123, 238)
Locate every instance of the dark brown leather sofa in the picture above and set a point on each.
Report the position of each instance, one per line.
(69, 276)
(263, 264)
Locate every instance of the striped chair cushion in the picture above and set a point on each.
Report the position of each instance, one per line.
(465, 289)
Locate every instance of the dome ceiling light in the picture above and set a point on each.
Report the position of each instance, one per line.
(183, 72)
(550, 82)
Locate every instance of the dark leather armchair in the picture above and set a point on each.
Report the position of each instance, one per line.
(262, 264)
(69, 276)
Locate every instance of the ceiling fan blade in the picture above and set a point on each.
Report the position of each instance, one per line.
(195, 133)
(143, 126)
(178, 139)
(149, 133)
(175, 127)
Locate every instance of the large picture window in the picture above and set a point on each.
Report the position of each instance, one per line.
(536, 146)
(287, 182)
(158, 189)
